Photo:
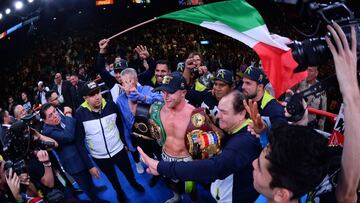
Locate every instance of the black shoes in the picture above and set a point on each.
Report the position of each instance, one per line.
(138, 187)
(154, 180)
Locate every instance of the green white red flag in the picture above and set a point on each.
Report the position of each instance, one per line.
(241, 21)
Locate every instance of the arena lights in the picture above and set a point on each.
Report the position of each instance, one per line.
(19, 5)
(8, 11)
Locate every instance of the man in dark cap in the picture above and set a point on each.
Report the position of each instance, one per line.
(223, 84)
(253, 87)
(172, 118)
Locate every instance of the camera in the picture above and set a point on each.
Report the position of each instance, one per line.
(19, 144)
(195, 72)
(315, 51)
(294, 107)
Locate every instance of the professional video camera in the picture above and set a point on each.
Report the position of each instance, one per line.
(19, 144)
(314, 51)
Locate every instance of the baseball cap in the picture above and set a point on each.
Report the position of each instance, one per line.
(225, 76)
(120, 65)
(256, 74)
(172, 83)
(89, 87)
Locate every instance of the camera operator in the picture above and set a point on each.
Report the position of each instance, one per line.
(10, 187)
(318, 101)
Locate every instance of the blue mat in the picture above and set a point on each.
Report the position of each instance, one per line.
(157, 194)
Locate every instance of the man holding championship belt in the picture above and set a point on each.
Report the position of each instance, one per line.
(230, 171)
(171, 122)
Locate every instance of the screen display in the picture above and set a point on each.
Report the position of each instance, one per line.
(204, 42)
(104, 2)
(141, 1)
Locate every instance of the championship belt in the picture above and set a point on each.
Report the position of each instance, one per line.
(203, 137)
(156, 128)
(140, 127)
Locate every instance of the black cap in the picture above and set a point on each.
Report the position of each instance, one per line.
(172, 83)
(120, 65)
(89, 88)
(256, 74)
(225, 76)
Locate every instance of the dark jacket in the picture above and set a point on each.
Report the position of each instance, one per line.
(67, 92)
(239, 150)
(67, 151)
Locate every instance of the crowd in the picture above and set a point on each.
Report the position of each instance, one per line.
(165, 75)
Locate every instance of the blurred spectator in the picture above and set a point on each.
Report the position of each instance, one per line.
(40, 94)
(26, 103)
(318, 101)
(64, 90)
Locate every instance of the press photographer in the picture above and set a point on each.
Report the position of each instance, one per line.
(25, 153)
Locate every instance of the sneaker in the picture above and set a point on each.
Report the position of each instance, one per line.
(174, 199)
(139, 168)
(138, 187)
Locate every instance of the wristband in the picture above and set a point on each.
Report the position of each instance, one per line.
(47, 164)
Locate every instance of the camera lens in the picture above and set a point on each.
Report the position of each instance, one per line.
(315, 51)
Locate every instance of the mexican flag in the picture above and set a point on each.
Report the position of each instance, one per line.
(241, 21)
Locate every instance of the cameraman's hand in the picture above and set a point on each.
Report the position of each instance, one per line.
(13, 182)
(103, 44)
(142, 51)
(24, 179)
(35, 134)
(344, 59)
(94, 172)
(42, 156)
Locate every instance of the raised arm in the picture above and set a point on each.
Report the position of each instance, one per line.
(345, 64)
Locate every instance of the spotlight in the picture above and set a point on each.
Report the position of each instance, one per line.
(1, 16)
(8, 11)
(19, 5)
(30, 1)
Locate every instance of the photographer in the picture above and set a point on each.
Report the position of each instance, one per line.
(10, 187)
(318, 101)
(25, 155)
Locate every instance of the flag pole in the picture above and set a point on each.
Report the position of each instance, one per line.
(133, 27)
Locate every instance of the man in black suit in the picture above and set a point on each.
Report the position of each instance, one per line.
(64, 90)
